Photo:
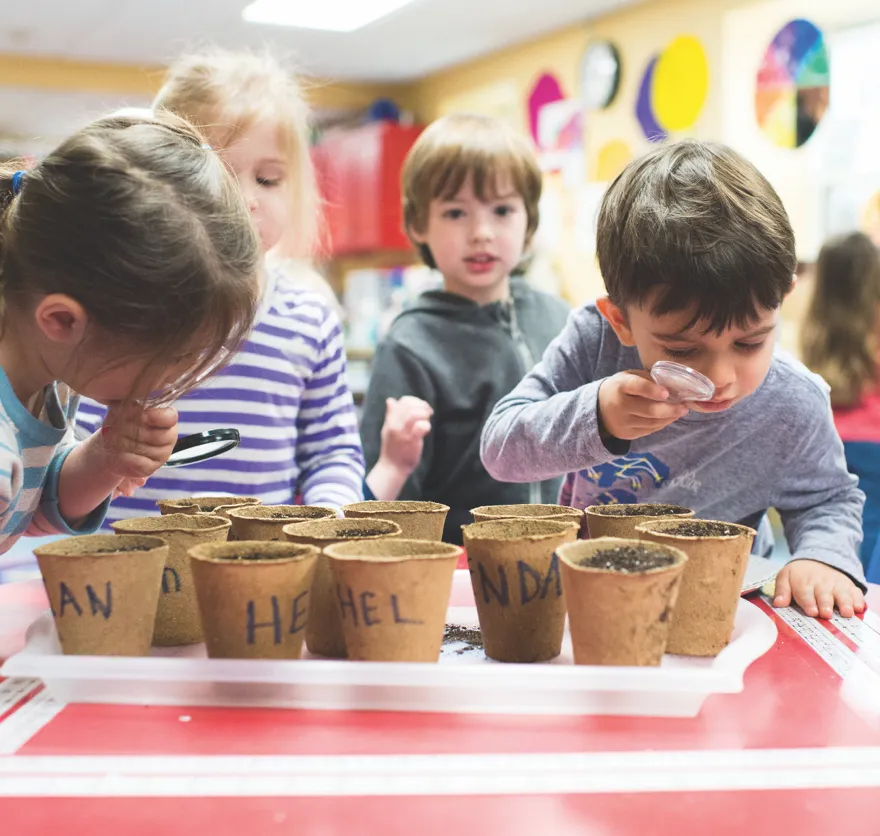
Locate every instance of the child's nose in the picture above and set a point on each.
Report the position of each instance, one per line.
(722, 372)
(482, 230)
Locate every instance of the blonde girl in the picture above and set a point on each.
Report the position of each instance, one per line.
(285, 390)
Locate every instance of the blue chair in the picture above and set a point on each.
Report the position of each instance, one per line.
(872, 571)
(863, 459)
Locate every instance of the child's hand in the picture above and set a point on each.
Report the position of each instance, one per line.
(127, 487)
(631, 405)
(817, 587)
(407, 422)
(134, 443)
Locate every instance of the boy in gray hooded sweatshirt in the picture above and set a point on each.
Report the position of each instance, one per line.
(471, 187)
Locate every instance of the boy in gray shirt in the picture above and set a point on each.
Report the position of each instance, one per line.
(697, 254)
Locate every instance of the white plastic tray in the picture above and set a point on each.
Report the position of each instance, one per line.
(462, 681)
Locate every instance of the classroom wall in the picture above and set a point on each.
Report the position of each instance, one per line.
(54, 74)
(734, 35)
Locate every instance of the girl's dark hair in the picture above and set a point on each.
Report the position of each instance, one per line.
(839, 336)
(139, 221)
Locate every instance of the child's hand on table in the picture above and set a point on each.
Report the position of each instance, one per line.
(817, 588)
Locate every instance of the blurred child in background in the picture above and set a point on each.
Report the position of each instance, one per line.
(471, 187)
(841, 342)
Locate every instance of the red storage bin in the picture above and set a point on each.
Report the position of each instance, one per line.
(359, 176)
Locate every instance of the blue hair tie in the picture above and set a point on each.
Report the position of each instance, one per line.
(16, 181)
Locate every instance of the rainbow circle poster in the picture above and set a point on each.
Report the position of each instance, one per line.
(791, 95)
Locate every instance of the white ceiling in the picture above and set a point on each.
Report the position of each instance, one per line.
(419, 39)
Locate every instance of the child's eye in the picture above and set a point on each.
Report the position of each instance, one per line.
(503, 211)
(453, 214)
(680, 353)
(749, 347)
(268, 182)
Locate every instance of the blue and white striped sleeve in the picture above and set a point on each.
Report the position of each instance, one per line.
(328, 452)
(11, 482)
(47, 518)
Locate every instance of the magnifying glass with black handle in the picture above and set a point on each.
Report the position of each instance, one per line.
(199, 447)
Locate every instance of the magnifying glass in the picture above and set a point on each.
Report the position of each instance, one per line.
(682, 382)
(199, 447)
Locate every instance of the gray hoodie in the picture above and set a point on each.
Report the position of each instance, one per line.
(461, 358)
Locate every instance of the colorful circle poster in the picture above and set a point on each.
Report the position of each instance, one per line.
(791, 96)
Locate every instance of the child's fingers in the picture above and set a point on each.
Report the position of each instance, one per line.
(858, 600)
(804, 594)
(412, 402)
(843, 597)
(421, 428)
(154, 436)
(654, 410)
(639, 386)
(782, 597)
(825, 602)
(160, 418)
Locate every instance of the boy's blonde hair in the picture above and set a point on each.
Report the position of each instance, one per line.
(226, 92)
(460, 146)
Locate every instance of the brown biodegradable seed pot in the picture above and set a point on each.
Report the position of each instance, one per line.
(104, 590)
(217, 505)
(622, 520)
(393, 595)
(253, 597)
(177, 616)
(718, 553)
(324, 634)
(621, 595)
(266, 522)
(417, 520)
(518, 586)
(562, 513)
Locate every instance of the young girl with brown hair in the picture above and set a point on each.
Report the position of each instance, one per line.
(841, 342)
(128, 269)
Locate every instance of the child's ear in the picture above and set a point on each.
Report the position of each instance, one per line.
(418, 238)
(61, 319)
(616, 319)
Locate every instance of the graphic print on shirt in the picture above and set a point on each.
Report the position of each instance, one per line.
(616, 482)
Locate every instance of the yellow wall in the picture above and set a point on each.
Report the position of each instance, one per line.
(95, 77)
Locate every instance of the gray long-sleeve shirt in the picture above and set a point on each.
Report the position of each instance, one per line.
(777, 448)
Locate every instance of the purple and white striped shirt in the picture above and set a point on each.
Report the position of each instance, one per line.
(286, 393)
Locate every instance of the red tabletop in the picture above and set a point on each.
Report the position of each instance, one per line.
(797, 749)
